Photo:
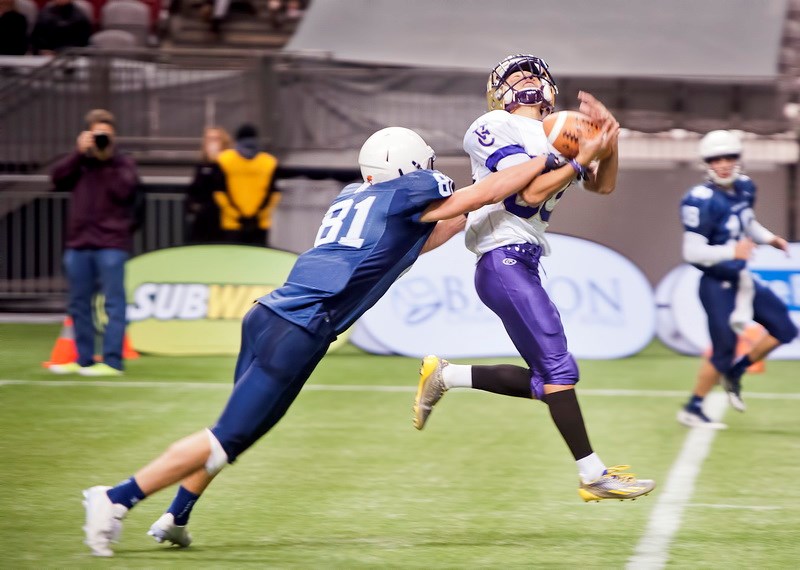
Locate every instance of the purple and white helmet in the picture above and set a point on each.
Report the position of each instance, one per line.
(502, 95)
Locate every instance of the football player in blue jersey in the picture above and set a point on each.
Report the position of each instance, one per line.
(509, 237)
(372, 232)
(720, 232)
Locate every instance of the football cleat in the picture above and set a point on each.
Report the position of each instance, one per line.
(430, 390)
(103, 520)
(733, 386)
(165, 529)
(693, 416)
(99, 369)
(615, 484)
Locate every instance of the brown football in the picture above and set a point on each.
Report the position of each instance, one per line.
(562, 130)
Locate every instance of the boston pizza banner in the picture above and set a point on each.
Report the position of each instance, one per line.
(606, 304)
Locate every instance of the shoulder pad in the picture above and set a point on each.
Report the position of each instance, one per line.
(701, 192)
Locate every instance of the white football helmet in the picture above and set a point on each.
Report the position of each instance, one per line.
(721, 144)
(502, 95)
(392, 152)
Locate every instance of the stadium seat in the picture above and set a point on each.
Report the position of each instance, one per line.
(113, 39)
(127, 15)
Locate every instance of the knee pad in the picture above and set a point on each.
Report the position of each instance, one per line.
(217, 459)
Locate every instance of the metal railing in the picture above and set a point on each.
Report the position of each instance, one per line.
(161, 100)
(32, 226)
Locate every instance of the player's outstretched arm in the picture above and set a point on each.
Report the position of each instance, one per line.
(491, 190)
(603, 177)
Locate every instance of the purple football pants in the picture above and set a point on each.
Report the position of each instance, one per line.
(507, 280)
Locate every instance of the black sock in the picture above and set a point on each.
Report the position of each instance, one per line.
(504, 379)
(566, 413)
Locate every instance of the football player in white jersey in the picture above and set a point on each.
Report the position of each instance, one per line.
(509, 238)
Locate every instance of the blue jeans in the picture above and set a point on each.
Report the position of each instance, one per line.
(89, 271)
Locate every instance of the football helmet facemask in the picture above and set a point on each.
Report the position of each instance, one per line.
(502, 95)
(392, 152)
(721, 144)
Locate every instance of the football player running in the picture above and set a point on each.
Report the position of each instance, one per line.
(720, 233)
(509, 238)
(372, 232)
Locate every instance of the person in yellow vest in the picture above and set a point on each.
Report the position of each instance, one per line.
(250, 198)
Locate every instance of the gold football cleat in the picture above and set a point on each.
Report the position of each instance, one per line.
(430, 390)
(615, 484)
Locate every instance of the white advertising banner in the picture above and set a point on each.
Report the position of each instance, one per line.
(682, 322)
(606, 305)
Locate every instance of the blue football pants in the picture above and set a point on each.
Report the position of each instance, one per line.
(276, 359)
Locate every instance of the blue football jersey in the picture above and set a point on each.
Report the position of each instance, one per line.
(369, 236)
(720, 216)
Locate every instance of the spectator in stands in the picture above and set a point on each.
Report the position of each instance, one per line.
(201, 210)
(249, 198)
(60, 25)
(100, 226)
(13, 30)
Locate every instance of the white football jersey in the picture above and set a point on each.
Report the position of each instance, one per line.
(495, 141)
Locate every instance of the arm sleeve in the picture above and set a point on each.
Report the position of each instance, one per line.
(697, 251)
(492, 143)
(418, 190)
(759, 233)
(65, 173)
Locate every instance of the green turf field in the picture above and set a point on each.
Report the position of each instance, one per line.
(344, 481)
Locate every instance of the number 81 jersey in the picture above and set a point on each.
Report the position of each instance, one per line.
(369, 236)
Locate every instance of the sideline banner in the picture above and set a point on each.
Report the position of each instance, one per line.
(191, 300)
(682, 322)
(606, 305)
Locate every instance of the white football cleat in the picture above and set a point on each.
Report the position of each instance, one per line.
(694, 417)
(103, 521)
(165, 529)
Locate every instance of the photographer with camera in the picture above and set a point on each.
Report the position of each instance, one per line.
(102, 217)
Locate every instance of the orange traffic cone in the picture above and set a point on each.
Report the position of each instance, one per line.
(128, 352)
(64, 351)
(749, 337)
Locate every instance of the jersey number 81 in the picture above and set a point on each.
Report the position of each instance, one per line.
(335, 217)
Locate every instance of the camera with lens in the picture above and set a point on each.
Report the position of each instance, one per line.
(101, 141)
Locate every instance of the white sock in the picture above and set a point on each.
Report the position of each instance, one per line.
(590, 468)
(457, 376)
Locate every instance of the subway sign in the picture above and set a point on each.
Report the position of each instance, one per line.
(190, 300)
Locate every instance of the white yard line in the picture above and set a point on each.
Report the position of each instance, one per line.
(156, 383)
(652, 552)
